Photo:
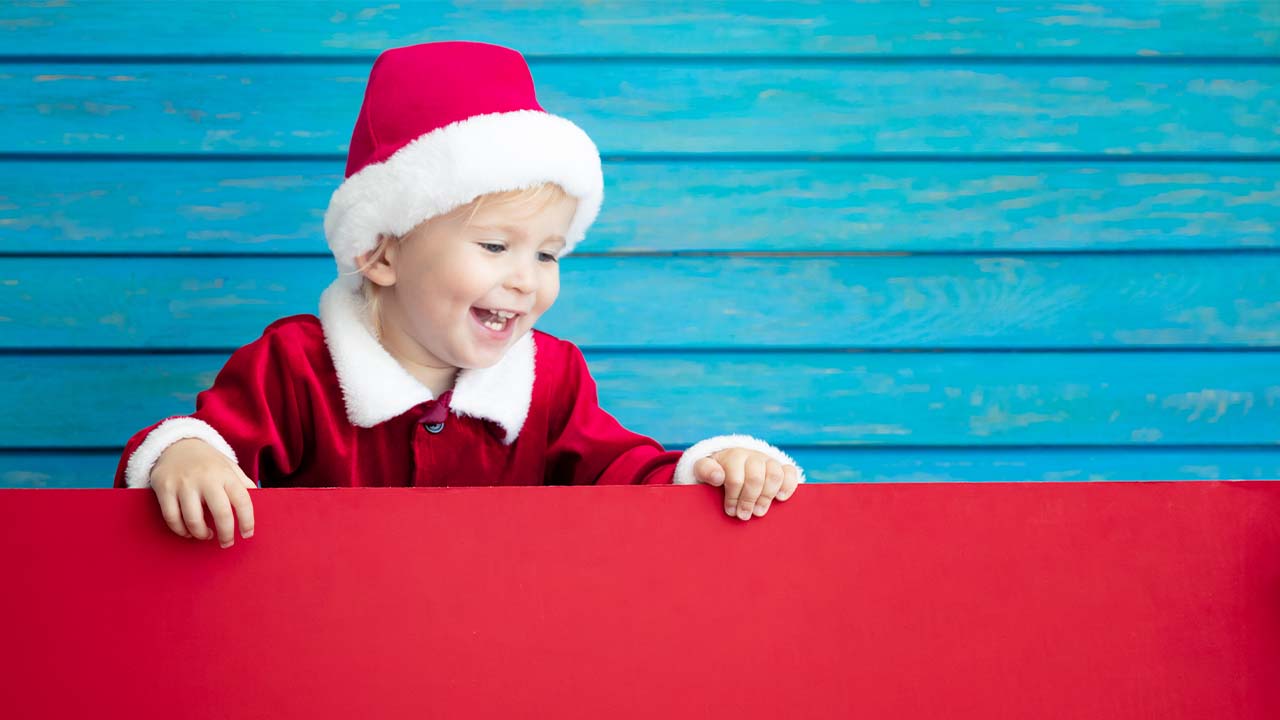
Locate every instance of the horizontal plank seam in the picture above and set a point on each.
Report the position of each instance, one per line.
(722, 350)
(763, 254)
(879, 448)
(717, 59)
(689, 157)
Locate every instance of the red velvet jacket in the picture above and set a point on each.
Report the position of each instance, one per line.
(317, 402)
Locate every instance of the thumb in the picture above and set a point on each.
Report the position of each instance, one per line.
(708, 471)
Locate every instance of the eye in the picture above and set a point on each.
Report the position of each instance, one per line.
(489, 246)
(548, 257)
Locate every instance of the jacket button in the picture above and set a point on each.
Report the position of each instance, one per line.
(434, 428)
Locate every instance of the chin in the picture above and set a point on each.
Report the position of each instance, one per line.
(480, 363)
(477, 366)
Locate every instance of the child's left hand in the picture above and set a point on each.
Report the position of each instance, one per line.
(751, 480)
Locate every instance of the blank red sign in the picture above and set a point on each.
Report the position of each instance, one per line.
(1045, 600)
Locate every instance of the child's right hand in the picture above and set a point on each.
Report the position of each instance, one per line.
(190, 474)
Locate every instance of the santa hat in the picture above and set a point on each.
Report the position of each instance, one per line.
(441, 124)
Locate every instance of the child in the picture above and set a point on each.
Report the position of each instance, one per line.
(423, 368)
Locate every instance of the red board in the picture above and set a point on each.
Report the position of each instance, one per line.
(1054, 600)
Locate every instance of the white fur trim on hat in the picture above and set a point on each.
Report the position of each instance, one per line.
(451, 166)
(710, 446)
(137, 473)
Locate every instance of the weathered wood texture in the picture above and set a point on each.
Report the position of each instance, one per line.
(948, 241)
(1028, 302)
(1242, 29)
(75, 467)
(812, 398)
(666, 106)
(240, 207)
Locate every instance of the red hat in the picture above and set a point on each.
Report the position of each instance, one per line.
(441, 124)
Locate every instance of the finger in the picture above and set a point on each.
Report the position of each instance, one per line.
(732, 485)
(171, 512)
(224, 521)
(772, 482)
(244, 479)
(708, 471)
(752, 484)
(243, 506)
(193, 513)
(790, 480)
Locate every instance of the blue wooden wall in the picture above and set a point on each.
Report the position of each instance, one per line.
(906, 241)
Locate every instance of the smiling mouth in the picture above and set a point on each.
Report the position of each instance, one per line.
(495, 320)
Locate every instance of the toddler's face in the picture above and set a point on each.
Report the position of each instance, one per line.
(451, 275)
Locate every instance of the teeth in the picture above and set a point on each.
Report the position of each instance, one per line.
(498, 319)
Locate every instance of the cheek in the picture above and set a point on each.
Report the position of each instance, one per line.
(548, 293)
(437, 292)
(428, 306)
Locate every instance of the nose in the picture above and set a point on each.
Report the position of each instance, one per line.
(522, 277)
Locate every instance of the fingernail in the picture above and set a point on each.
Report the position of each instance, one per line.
(729, 511)
(744, 515)
(717, 475)
(248, 534)
(760, 510)
(228, 544)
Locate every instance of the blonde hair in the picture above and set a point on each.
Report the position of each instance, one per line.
(537, 198)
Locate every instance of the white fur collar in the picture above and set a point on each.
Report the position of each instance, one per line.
(376, 388)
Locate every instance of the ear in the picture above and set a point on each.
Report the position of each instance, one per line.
(382, 271)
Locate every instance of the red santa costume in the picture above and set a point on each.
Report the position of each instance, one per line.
(319, 402)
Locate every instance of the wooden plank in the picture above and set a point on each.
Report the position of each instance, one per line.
(875, 28)
(647, 106)
(60, 469)
(84, 206)
(1036, 301)
(891, 399)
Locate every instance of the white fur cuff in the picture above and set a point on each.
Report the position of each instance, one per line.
(710, 446)
(137, 473)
